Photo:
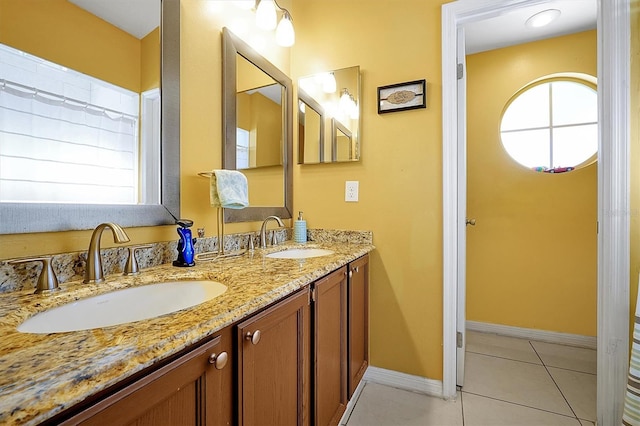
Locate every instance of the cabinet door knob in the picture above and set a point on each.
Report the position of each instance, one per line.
(254, 337)
(350, 274)
(219, 360)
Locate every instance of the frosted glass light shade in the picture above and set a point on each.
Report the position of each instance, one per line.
(329, 84)
(543, 18)
(285, 35)
(266, 17)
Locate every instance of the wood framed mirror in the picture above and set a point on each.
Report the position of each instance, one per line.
(253, 88)
(57, 40)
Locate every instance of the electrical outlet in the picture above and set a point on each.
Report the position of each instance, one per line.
(351, 191)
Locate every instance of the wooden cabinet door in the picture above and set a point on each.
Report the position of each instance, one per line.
(330, 347)
(358, 298)
(273, 364)
(195, 389)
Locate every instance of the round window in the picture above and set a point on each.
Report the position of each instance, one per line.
(551, 125)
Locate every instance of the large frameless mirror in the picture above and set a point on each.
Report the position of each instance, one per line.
(97, 140)
(257, 129)
(329, 117)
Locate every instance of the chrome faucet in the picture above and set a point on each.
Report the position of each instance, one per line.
(263, 228)
(93, 270)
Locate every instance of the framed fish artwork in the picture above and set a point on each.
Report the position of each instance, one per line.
(402, 96)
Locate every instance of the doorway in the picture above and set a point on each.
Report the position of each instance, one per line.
(613, 194)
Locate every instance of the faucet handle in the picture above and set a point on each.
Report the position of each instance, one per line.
(47, 281)
(275, 240)
(131, 267)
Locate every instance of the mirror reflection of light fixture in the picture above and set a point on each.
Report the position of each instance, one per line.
(329, 84)
(267, 19)
(347, 104)
(543, 18)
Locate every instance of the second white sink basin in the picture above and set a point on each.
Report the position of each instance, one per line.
(300, 253)
(123, 306)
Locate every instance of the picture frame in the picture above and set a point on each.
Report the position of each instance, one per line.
(402, 96)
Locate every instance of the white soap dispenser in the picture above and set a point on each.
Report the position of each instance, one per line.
(300, 229)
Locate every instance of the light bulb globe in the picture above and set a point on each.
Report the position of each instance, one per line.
(266, 17)
(285, 35)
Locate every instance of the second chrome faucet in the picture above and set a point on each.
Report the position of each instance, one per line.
(93, 269)
(263, 229)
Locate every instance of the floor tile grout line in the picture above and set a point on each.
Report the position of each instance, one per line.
(502, 357)
(554, 382)
(571, 369)
(522, 405)
(531, 342)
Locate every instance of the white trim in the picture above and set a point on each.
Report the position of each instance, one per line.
(613, 192)
(404, 381)
(613, 208)
(352, 403)
(589, 342)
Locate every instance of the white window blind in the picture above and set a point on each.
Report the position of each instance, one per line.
(65, 137)
(242, 148)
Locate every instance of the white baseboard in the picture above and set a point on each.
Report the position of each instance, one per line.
(404, 381)
(533, 334)
(352, 403)
(394, 379)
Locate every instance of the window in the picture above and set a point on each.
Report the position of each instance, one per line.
(242, 148)
(551, 125)
(65, 137)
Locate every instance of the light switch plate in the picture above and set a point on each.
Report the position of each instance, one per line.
(351, 191)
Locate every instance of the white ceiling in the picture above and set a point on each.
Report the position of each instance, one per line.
(508, 30)
(137, 17)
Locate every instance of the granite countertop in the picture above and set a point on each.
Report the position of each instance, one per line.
(44, 374)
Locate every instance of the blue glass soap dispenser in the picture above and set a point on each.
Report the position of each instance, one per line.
(185, 244)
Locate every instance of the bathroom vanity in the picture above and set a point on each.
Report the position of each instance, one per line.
(285, 344)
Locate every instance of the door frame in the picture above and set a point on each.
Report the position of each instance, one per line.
(613, 192)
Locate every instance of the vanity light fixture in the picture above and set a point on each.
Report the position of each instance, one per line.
(267, 19)
(543, 18)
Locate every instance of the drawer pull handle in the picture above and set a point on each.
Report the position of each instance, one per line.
(219, 360)
(254, 337)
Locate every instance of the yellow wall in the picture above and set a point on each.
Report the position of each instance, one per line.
(400, 173)
(531, 258)
(261, 117)
(86, 43)
(150, 50)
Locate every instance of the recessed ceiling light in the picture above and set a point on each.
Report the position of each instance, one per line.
(543, 18)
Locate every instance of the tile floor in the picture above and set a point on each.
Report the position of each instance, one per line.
(508, 382)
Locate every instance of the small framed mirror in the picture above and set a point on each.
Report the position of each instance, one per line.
(335, 97)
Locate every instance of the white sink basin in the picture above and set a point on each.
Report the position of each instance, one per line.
(299, 253)
(123, 306)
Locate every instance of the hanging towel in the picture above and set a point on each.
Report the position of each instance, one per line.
(631, 414)
(229, 189)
